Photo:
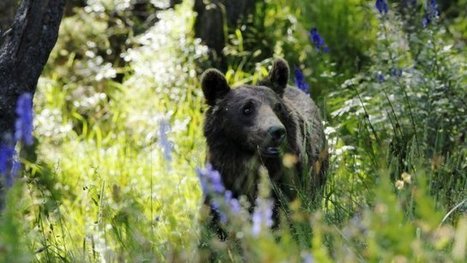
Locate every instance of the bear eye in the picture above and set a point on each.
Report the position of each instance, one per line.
(248, 109)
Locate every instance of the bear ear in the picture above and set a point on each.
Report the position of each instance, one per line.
(279, 76)
(214, 86)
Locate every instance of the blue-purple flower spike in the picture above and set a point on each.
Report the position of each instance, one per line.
(9, 166)
(433, 8)
(431, 12)
(6, 158)
(213, 188)
(307, 257)
(300, 81)
(396, 72)
(23, 124)
(382, 6)
(15, 169)
(233, 203)
(379, 77)
(317, 40)
(216, 207)
(262, 216)
(426, 21)
(210, 180)
(164, 128)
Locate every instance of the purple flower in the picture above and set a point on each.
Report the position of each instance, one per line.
(433, 8)
(217, 208)
(300, 81)
(426, 21)
(382, 6)
(262, 215)
(15, 168)
(379, 77)
(164, 128)
(307, 257)
(431, 12)
(9, 166)
(232, 202)
(396, 72)
(221, 200)
(317, 40)
(23, 124)
(210, 180)
(6, 157)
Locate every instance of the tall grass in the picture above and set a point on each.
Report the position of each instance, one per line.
(112, 176)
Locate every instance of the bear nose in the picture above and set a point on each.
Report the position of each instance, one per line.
(277, 133)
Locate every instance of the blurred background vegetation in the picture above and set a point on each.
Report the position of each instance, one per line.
(118, 125)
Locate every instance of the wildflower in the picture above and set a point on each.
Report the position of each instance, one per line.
(221, 200)
(232, 202)
(379, 77)
(15, 168)
(406, 177)
(431, 12)
(217, 209)
(23, 125)
(9, 166)
(426, 21)
(399, 184)
(6, 157)
(396, 72)
(307, 257)
(382, 6)
(317, 40)
(164, 142)
(300, 81)
(210, 180)
(432, 7)
(262, 215)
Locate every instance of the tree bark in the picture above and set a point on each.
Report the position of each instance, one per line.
(214, 17)
(7, 13)
(24, 52)
(175, 2)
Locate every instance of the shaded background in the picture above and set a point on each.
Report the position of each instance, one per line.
(119, 111)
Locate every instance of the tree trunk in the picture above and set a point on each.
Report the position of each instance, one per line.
(24, 52)
(7, 13)
(175, 2)
(214, 17)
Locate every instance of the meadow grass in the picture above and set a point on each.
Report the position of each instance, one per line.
(109, 181)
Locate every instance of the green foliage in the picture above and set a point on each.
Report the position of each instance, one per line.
(411, 99)
(13, 243)
(102, 188)
(281, 28)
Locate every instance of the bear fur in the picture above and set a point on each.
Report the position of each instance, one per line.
(258, 125)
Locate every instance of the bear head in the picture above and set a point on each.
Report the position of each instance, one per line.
(250, 118)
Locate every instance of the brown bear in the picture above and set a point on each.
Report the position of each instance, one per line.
(271, 124)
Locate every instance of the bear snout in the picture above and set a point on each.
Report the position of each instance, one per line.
(273, 141)
(277, 134)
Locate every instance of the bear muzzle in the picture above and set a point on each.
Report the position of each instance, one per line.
(274, 139)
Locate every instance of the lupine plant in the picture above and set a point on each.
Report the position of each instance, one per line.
(382, 6)
(9, 163)
(117, 131)
(300, 81)
(318, 41)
